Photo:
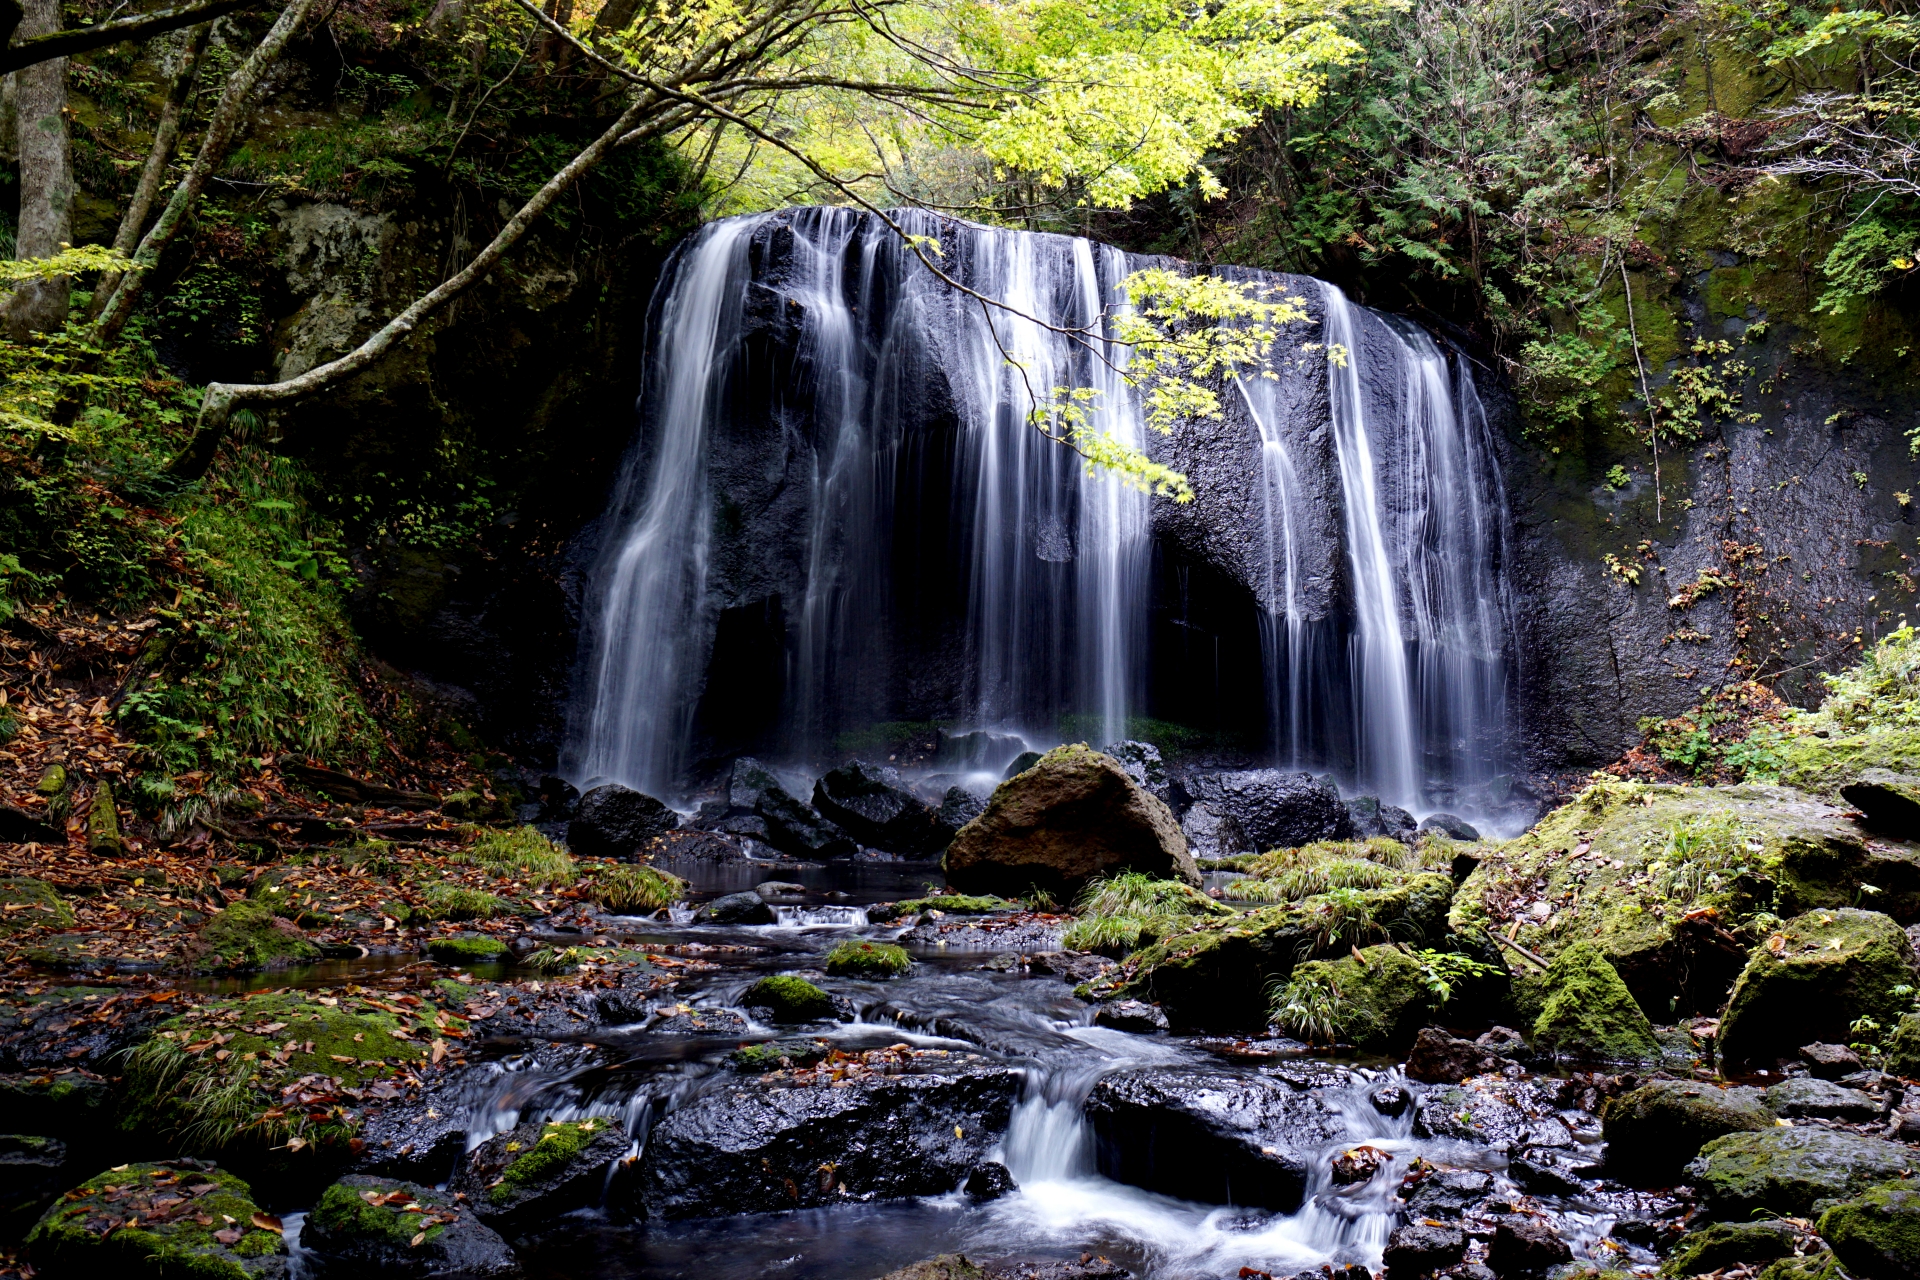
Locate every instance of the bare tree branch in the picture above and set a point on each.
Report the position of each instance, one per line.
(64, 44)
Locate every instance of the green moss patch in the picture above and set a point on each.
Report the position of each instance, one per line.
(558, 1146)
(443, 901)
(868, 960)
(1785, 1171)
(779, 1055)
(216, 1076)
(953, 904)
(791, 999)
(377, 1211)
(1723, 1244)
(1378, 999)
(467, 949)
(174, 1221)
(246, 936)
(27, 904)
(1877, 1233)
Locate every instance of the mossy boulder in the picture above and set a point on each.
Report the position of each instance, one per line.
(1073, 817)
(853, 959)
(790, 999)
(1665, 880)
(1825, 765)
(244, 937)
(1877, 1233)
(1215, 973)
(175, 1221)
(1588, 1013)
(779, 1055)
(1381, 995)
(1902, 1049)
(1723, 1244)
(103, 824)
(1654, 1130)
(31, 904)
(1785, 1171)
(530, 1175)
(466, 949)
(381, 1227)
(217, 1070)
(948, 1266)
(1809, 982)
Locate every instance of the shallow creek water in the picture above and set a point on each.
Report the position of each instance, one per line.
(1063, 1207)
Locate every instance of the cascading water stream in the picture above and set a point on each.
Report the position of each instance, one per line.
(922, 551)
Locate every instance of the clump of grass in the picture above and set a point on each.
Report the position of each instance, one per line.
(1341, 918)
(1313, 878)
(557, 959)
(372, 857)
(1123, 912)
(443, 901)
(853, 959)
(1310, 1008)
(524, 855)
(633, 890)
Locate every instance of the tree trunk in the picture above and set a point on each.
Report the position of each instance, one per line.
(46, 179)
(236, 102)
(165, 133)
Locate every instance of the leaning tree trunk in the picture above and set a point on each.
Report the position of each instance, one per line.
(236, 103)
(46, 179)
(165, 133)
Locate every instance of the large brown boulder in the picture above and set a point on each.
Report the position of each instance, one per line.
(1073, 817)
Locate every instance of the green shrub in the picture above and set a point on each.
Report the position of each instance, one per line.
(853, 959)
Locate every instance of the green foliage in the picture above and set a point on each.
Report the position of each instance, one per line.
(522, 854)
(1123, 912)
(1881, 692)
(1309, 1007)
(1866, 258)
(634, 890)
(1445, 971)
(68, 262)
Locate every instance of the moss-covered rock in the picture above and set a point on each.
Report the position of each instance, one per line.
(467, 949)
(443, 901)
(1877, 1233)
(1667, 881)
(1652, 1131)
(1380, 996)
(948, 1266)
(852, 959)
(790, 999)
(536, 1172)
(214, 1074)
(31, 904)
(779, 1055)
(383, 1227)
(1825, 765)
(157, 1220)
(1589, 1014)
(1216, 973)
(1902, 1048)
(246, 936)
(1809, 982)
(1814, 1266)
(1785, 1171)
(1724, 1244)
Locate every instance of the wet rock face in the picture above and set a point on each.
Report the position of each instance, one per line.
(1890, 801)
(752, 1148)
(1520, 1113)
(1212, 834)
(1446, 1193)
(520, 1180)
(1275, 810)
(757, 806)
(1654, 1130)
(1071, 818)
(1202, 1133)
(1417, 1249)
(1787, 1170)
(736, 908)
(871, 804)
(368, 1226)
(1440, 1058)
(612, 821)
(1812, 979)
(1144, 764)
(1525, 1246)
(1371, 817)
(1824, 1100)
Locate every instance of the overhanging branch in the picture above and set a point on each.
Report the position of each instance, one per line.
(64, 44)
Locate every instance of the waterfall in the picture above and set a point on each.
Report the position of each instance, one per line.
(656, 572)
(838, 513)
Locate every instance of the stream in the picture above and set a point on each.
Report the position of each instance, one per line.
(1063, 1207)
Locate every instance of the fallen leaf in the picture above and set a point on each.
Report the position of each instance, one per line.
(266, 1221)
(417, 1240)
